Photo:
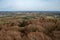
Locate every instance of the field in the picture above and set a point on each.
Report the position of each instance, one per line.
(29, 25)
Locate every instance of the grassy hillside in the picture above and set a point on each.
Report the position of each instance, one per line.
(29, 27)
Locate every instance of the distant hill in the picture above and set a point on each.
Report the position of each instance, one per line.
(25, 12)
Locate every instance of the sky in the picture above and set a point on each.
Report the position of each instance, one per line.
(29, 5)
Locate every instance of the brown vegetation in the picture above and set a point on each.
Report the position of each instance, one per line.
(29, 29)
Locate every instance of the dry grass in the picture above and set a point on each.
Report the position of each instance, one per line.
(28, 29)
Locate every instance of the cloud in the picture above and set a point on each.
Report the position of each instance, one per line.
(29, 5)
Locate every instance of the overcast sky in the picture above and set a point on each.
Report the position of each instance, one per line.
(29, 5)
